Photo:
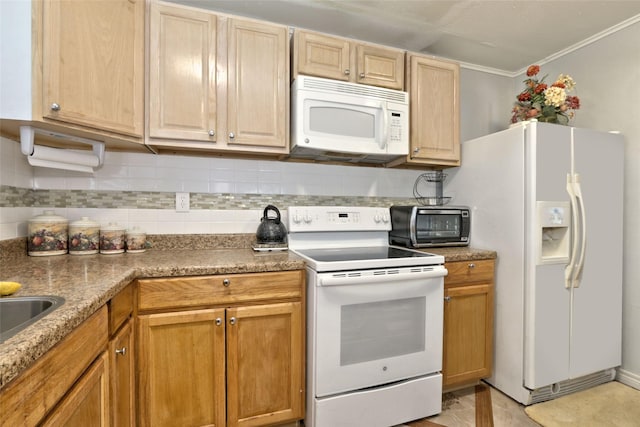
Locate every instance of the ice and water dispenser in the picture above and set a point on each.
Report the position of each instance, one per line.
(554, 232)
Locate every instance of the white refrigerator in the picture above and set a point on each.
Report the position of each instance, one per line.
(549, 199)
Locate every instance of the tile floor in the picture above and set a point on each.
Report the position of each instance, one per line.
(480, 406)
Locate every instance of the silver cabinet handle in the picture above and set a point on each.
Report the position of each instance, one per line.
(226, 282)
(232, 321)
(55, 107)
(362, 75)
(232, 135)
(121, 351)
(212, 132)
(218, 321)
(416, 150)
(347, 72)
(447, 298)
(472, 265)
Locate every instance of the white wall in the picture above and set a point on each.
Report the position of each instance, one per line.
(169, 174)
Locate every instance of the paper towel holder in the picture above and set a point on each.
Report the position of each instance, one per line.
(59, 158)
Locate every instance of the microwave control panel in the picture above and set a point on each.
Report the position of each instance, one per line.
(395, 131)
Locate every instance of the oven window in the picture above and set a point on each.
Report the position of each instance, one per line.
(435, 226)
(378, 330)
(342, 121)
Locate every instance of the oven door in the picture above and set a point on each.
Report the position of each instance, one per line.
(377, 326)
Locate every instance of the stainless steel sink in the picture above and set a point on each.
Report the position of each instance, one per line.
(19, 312)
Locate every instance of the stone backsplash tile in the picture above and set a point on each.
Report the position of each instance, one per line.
(101, 199)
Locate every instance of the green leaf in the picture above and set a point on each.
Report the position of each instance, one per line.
(562, 119)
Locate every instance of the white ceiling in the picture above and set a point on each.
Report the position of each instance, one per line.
(503, 35)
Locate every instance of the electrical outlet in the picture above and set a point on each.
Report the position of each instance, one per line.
(182, 202)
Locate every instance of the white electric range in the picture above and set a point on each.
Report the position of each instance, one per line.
(374, 319)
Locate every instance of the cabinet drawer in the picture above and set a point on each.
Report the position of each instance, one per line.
(465, 272)
(183, 292)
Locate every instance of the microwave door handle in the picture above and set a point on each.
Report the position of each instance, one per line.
(385, 125)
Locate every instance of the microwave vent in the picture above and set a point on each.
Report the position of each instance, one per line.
(334, 86)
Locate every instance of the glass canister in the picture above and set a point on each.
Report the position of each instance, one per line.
(48, 234)
(84, 237)
(136, 240)
(112, 239)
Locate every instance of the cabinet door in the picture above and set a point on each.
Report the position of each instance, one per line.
(182, 74)
(93, 63)
(122, 378)
(87, 404)
(380, 66)
(434, 117)
(181, 369)
(468, 332)
(322, 56)
(265, 364)
(257, 84)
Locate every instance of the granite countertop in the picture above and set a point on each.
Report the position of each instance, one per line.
(462, 253)
(87, 282)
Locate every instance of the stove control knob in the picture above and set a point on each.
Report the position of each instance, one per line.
(308, 218)
(385, 218)
(377, 218)
(297, 218)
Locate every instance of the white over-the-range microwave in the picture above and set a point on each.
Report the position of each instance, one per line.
(339, 121)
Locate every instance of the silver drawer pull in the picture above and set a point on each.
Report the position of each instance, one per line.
(232, 321)
(55, 107)
(226, 282)
(121, 351)
(447, 298)
(472, 265)
(218, 321)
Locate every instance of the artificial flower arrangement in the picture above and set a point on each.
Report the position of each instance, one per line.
(550, 104)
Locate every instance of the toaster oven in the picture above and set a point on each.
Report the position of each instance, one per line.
(430, 226)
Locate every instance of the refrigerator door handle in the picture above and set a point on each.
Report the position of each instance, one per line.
(577, 276)
(570, 268)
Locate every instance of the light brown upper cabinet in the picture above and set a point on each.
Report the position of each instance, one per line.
(217, 82)
(433, 87)
(182, 73)
(333, 57)
(93, 64)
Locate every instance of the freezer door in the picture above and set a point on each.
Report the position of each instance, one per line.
(547, 301)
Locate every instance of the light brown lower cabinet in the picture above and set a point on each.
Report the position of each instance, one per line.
(233, 355)
(87, 404)
(121, 359)
(468, 322)
(122, 377)
(69, 383)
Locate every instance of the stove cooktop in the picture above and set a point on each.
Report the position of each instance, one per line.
(353, 258)
(362, 253)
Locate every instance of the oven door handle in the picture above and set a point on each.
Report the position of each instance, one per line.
(342, 280)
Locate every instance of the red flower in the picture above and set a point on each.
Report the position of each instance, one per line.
(559, 84)
(540, 88)
(573, 102)
(533, 70)
(524, 96)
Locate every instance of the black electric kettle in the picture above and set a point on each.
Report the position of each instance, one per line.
(271, 230)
